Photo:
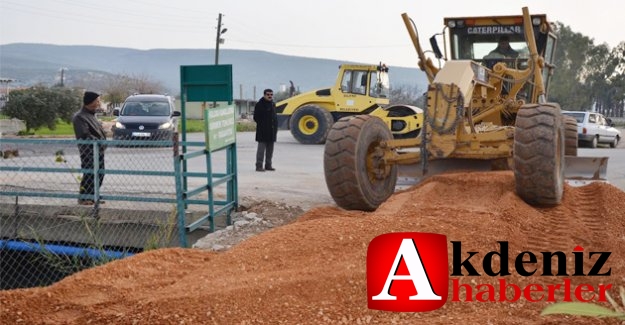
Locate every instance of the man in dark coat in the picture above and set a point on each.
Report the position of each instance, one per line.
(266, 120)
(87, 127)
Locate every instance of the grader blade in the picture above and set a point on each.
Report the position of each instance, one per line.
(410, 175)
(580, 171)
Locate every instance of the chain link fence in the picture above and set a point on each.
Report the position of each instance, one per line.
(48, 229)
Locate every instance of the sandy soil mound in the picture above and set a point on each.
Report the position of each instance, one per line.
(313, 271)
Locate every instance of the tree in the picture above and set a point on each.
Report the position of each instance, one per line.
(600, 68)
(611, 99)
(40, 106)
(588, 76)
(618, 82)
(406, 94)
(66, 102)
(567, 86)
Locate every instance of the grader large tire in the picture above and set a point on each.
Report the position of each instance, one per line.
(539, 154)
(570, 136)
(356, 176)
(311, 124)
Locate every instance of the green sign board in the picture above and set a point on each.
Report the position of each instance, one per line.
(207, 83)
(219, 122)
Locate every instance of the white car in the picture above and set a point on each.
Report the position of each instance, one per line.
(592, 128)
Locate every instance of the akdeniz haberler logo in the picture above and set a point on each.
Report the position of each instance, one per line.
(408, 272)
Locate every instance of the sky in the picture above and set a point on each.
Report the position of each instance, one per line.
(363, 31)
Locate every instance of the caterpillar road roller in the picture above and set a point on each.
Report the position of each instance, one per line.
(359, 89)
(481, 106)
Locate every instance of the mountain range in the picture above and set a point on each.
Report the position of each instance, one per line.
(82, 66)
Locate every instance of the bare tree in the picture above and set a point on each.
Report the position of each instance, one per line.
(407, 94)
(144, 84)
(118, 87)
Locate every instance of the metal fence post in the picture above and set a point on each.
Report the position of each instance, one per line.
(96, 178)
(180, 205)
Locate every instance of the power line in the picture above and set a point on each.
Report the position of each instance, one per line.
(322, 46)
(143, 13)
(199, 29)
(99, 20)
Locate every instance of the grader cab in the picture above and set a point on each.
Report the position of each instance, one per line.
(487, 102)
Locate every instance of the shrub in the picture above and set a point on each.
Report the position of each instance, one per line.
(40, 106)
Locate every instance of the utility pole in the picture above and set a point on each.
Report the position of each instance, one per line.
(7, 81)
(63, 76)
(219, 40)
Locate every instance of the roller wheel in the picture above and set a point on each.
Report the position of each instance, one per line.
(356, 175)
(539, 154)
(311, 124)
(570, 136)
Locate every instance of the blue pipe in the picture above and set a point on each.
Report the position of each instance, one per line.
(62, 250)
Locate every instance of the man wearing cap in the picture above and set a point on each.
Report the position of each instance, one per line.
(88, 127)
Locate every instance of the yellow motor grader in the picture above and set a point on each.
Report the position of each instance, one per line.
(481, 105)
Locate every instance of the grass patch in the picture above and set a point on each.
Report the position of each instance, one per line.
(66, 129)
(192, 126)
(62, 129)
(246, 126)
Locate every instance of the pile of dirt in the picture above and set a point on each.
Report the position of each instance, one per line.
(253, 217)
(312, 271)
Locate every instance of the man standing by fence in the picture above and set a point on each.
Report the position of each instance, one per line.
(87, 127)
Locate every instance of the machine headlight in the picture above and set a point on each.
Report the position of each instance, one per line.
(455, 23)
(480, 72)
(536, 21)
(482, 75)
(119, 125)
(166, 125)
(398, 125)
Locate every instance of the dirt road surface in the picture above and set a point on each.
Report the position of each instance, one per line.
(312, 271)
(311, 268)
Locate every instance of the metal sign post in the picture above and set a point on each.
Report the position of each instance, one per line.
(205, 84)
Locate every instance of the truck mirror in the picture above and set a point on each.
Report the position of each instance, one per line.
(435, 48)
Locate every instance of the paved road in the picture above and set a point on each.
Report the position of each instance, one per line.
(299, 179)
